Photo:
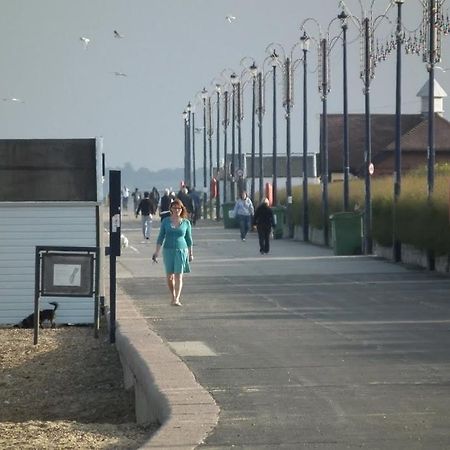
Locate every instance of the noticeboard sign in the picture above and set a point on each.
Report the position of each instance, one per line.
(67, 275)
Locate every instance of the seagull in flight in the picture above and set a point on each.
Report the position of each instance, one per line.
(120, 74)
(13, 100)
(85, 40)
(117, 35)
(230, 18)
(198, 130)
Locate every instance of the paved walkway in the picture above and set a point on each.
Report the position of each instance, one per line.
(300, 348)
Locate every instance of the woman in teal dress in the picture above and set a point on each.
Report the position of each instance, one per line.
(175, 238)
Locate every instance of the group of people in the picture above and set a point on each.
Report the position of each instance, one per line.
(178, 213)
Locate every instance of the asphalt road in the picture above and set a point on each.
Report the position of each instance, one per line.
(303, 349)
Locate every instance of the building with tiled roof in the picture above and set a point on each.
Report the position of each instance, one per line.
(414, 140)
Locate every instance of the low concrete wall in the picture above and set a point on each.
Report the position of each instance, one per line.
(165, 389)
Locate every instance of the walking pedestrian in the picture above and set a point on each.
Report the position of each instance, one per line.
(125, 197)
(243, 211)
(175, 238)
(136, 198)
(197, 205)
(164, 206)
(147, 208)
(264, 222)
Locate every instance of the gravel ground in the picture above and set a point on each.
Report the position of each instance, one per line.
(64, 393)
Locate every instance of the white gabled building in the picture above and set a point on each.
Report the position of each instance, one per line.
(50, 195)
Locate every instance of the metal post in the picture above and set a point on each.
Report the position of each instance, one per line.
(218, 155)
(210, 132)
(274, 141)
(288, 104)
(325, 141)
(368, 144)
(185, 174)
(194, 177)
(252, 189)
(260, 136)
(346, 148)
(239, 130)
(398, 133)
(204, 159)
(431, 63)
(188, 146)
(114, 245)
(305, 150)
(233, 145)
(225, 146)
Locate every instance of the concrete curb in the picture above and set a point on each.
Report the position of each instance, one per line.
(165, 390)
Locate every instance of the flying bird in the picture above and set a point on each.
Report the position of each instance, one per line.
(230, 18)
(85, 40)
(13, 100)
(198, 130)
(120, 74)
(117, 35)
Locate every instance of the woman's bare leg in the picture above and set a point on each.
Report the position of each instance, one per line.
(178, 286)
(171, 285)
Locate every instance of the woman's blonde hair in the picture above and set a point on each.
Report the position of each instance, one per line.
(178, 202)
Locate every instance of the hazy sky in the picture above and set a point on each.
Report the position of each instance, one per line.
(170, 50)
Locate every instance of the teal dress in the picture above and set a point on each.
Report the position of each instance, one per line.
(175, 242)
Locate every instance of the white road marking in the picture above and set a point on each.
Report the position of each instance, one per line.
(191, 348)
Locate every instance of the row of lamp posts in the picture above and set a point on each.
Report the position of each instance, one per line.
(231, 89)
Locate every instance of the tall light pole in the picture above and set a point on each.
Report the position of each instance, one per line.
(274, 57)
(398, 133)
(188, 141)
(260, 113)
(305, 47)
(346, 148)
(254, 72)
(324, 45)
(225, 122)
(233, 79)
(218, 91)
(194, 176)
(204, 94)
(210, 159)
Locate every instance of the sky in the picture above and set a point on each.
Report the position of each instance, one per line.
(169, 51)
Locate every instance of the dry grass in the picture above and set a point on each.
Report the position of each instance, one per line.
(65, 393)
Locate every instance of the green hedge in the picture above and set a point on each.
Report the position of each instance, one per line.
(419, 222)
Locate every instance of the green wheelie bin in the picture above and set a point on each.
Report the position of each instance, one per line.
(279, 216)
(347, 233)
(229, 221)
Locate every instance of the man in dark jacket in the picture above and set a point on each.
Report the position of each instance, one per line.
(164, 206)
(147, 208)
(263, 219)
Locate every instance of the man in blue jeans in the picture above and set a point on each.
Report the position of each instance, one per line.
(243, 211)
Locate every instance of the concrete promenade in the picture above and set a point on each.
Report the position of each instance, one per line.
(298, 349)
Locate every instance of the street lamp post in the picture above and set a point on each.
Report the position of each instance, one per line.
(210, 133)
(274, 56)
(346, 149)
(204, 97)
(398, 126)
(254, 71)
(305, 47)
(324, 90)
(218, 90)
(225, 122)
(194, 177)
(185, 115)
(260, 112)
(233, 78)
(188, 141)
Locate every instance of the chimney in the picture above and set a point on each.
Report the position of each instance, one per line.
(439, 95)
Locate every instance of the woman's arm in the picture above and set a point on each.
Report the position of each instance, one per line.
(188, 238)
